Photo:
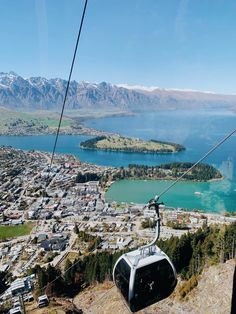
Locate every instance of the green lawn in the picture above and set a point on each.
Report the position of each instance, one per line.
(15, 231)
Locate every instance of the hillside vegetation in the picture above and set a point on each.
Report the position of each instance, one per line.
(190, 254)
(38, 123)
(14, 123)
(213, 294)
(202, 172)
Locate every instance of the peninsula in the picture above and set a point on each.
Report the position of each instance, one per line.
(132, 145)
(44, 123)
(170, 171)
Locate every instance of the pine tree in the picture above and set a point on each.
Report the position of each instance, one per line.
(69, 273)
(76, 228)
(42, 278)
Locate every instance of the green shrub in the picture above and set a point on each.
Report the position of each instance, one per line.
(188, 286)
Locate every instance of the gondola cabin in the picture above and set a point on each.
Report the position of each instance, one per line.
(144, 277)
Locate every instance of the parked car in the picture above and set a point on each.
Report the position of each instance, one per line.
(16, 310)
(28, 297)
(43, 300)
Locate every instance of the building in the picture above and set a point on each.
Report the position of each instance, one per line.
(20, 286)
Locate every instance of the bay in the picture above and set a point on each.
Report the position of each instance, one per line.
(215, 197)
(197, 131)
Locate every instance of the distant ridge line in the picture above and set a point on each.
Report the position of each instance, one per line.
(38, 93)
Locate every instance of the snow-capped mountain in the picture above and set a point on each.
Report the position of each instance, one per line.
(38, 93)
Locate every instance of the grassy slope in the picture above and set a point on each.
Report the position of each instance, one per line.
(8, 117)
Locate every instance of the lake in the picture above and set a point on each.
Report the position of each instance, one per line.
(198, 132)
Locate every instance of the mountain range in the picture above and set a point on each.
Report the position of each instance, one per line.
(38, 93)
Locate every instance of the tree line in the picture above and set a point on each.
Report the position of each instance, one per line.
(201, 172)
(91, 143)
(178, 147)
(87, 176)
(208, 245)
(82, 272)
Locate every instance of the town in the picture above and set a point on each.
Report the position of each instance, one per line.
(46, 214)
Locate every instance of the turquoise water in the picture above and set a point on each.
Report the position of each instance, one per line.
(214, 197)
(196, 131)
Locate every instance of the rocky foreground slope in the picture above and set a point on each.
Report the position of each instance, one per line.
(213, 295)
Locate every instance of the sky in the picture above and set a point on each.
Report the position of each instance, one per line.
(184, 44)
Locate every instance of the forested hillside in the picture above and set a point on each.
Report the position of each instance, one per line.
(202, 172)
(189, 253)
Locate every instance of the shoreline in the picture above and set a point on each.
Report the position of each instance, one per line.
(171, 179)
(84, 131)
(182, 208)
(228, 214)
(124, 144)
(129, 152)
(104, 189)
(40, 123)
(204, 212)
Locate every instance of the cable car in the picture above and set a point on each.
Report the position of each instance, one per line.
(146, 275)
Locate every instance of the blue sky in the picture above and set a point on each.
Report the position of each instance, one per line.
(186, 44)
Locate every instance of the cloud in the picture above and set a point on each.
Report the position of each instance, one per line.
(138, 87)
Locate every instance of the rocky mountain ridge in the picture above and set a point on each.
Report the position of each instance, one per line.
(38, 93)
